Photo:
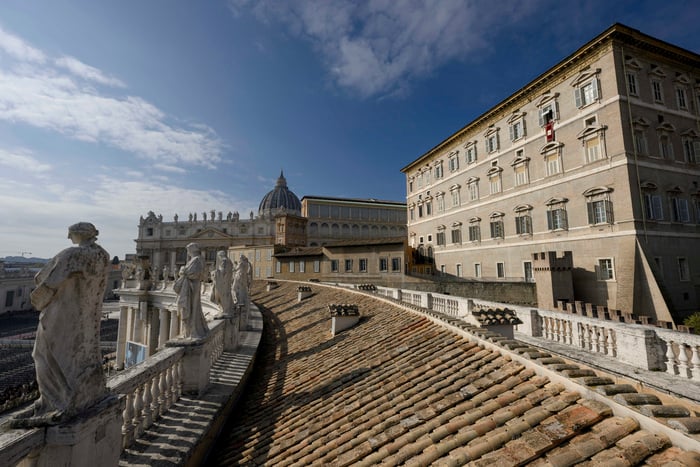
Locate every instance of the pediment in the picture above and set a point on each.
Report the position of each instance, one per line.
(210, 234)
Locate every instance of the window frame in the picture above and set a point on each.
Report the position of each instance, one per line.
(598, 201)
(587, 89)
(605, 273)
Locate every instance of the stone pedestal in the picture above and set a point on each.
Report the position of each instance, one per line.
(93, 438)
(195, 365)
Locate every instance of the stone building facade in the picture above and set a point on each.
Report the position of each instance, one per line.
(597, 156)
(15, 286)
(333, 219)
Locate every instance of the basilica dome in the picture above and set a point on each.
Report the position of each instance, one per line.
(280, 199)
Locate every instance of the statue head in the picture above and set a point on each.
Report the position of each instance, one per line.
(82, 231)
(192, 249)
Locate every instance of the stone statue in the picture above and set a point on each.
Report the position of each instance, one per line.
(223, 281)
(241, 281)
(175, 218)
(204, 215)
(220, 216)
(190, 217)
(189, 297)
(67, 357)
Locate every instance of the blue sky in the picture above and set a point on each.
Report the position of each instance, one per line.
(111, 109)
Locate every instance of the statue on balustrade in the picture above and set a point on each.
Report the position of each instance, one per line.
(223, 282)
(241, 281)
(189, 297)
(69, 292)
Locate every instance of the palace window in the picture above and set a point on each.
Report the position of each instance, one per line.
(439, 171)
(348, 265)
(363, 264)
(477, 269)
(470, 149)
(520, 167)
(523, 219)
(496, 225)
(632, 84)
(334, 265)
(395, 264)
(317, 266)
(587, 88)
(516, 126)
(556, 214)
(456, 232)
(679, 207)
(494, 174)
(548, 109)
(653, 207)
(440, 236)
(454, 190)
(605, 269)
(599, 205)
(440, 198)
(492, 140)
(459, 270)
(552, 157)
(474, 229)
(473, 188)
(500, 270)
(291, 266)
(681, 98)
(383, 264)
(593, 140)
(691, 146)
(453, 161)
(640, 136)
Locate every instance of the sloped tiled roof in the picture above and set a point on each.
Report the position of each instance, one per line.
(400, 389)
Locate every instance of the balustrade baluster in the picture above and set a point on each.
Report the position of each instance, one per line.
(584, 337)
(128, 424)
(156, 398)
(163, 392)
(598, 339)
(138, 412)
(147, 414)
(695, 362)
(569, 332)
(168, 387)
(683, 368)
(178, 380)
(610, 343)
(670, 359)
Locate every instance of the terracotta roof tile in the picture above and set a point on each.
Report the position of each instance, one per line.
(399, 389)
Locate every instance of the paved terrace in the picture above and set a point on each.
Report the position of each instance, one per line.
(408, 388)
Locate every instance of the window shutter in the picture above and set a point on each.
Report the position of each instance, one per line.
(657, 207)
(524, 130)
(608, 211)
(540, 116)
(683, 210)
(564, 219)
(596, 89)
(577, 95)
(550, 221)
(591, 216)
(518, 229)
(512, 133)
(696, 151)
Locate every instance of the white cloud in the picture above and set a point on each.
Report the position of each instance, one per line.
(379, 47)
(62, 99)
(87, 72)
(170, 168)
(22, 161)
(17, 48)
(37, 218)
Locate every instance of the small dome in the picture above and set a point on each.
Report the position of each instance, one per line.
(279, 199)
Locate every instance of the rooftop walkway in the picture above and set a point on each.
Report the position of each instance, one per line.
(409, 388)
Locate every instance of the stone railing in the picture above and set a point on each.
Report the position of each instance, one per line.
(149, 390)
(641, 346)
(145, 391)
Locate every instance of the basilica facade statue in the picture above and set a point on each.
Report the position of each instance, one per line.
(189, 297)
(69, 292)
